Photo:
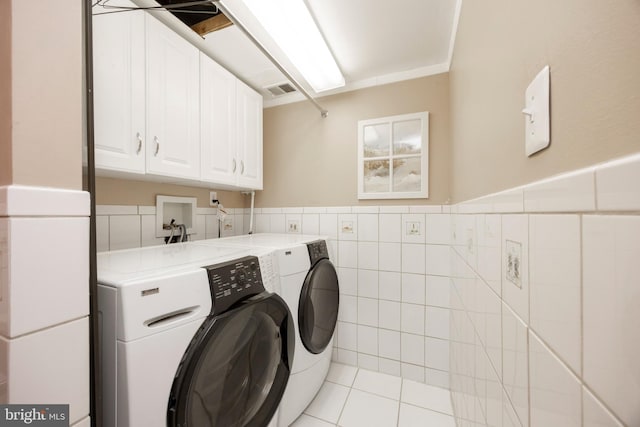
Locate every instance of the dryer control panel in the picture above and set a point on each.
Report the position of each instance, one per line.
(234, 281)
(317, 251)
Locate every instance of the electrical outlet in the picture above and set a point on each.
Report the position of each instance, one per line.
(413, 228)
(213, 196)
(513, 267)
(347, 227)
(293, 226)
(470, 240)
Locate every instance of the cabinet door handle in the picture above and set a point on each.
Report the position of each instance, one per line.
(139, 138)
(234, 166)
(241, 167)
(157, 141)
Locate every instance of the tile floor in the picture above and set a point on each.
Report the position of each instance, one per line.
(354, 397)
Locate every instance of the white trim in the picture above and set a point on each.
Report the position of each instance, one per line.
(415, 73)
(117, 210)
(454, 33)
(365, 209)
(21, 200)
(146, 210)
(428, 209)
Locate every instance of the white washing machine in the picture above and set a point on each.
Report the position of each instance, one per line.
(192, 336)
(309, 285)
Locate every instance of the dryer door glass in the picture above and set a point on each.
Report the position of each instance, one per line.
(318, 309)
(236, 368)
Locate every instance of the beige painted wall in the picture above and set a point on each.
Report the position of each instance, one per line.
(111, 191)
(46, 85)
(5, 93)
(311, 161)
(593, 50)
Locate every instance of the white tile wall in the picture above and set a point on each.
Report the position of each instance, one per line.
(125, 227)
(390, 226)
(367, 227)
(40, 249)
(60, 377)
(367, 283)
(124, 232)
(390, 258)
(611, 246)
(568, 348)
(389, 287)
(44, 297)
(413, 288)
(413, 256)
(348, 278)
(594, 413)
(555, 299)
(368, 255)
(556, 394)
(515, 363)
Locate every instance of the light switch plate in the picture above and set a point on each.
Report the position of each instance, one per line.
(536, 111)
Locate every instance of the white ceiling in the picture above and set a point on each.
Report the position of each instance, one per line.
(373, 41)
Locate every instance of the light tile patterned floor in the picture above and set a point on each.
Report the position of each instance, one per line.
(353, 397)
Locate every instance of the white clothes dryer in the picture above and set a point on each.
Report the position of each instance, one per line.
(192, 336)
(309, 285)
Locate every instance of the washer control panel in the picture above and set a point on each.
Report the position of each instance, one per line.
(234, 281)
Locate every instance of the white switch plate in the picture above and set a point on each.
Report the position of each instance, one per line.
(536, 111)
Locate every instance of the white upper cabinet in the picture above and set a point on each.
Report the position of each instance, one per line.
(231, 128)
(166, 112)
(173, 107)
(217, 122)
(119, 79)
(249, 130)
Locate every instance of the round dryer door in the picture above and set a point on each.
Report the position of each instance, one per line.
(236, 368)
(318, 309)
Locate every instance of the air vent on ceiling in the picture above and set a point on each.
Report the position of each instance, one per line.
(281, 89)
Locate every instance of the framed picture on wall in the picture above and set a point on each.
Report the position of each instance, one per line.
(393, 157)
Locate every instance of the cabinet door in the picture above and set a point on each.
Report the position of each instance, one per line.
(217, 123)
(118, 82)
(249, 128)
(173, 107)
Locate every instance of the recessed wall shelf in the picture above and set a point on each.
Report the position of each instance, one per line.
(182, 210)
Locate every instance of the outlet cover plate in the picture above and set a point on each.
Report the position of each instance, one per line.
(513, 263)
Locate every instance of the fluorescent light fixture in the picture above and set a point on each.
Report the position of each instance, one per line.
(291, 26)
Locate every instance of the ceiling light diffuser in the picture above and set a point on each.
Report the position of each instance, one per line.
(292, 28)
